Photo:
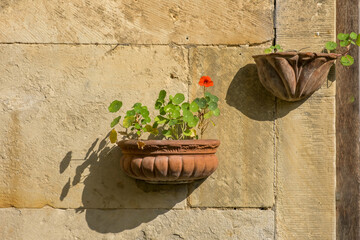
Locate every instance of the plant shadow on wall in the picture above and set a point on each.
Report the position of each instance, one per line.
(246, 94)
(112, 201)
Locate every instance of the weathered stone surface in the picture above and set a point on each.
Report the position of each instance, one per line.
(245, 174)
(54, 122)
(305, 207)
(305, 185)
(34, 224)
(139, 22)
(305, 24)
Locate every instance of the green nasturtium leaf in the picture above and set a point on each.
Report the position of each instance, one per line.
(194, 107)
(160, 119)
(137, 126)
(169, 108)
(201, 102)
(343, 36)
(358, 40)
(190, 132)
(344, 43)
(144, 112)
(130, 113)
(213, 106)
(152, 130)
(178, 98)
(208, 115)
(113, 136)
(167, 133)
(193, 122)
(115, 121)
(185, 106)
(162, 95)
(175, 114)
(347, 60)
(330, 45)
(188, 116)
(268, 50)
(353, 35)
(213, 98)
(158, 104)
(216, 112)
(162, 111)
(136, 105)
(128, 121)
(115, 106)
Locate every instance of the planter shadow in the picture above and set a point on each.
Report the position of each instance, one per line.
(246, 94)
(113, 202)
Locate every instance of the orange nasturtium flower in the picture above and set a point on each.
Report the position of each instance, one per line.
(206, 81)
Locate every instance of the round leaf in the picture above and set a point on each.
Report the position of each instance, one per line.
(194, 121)
(115, 121)
(194, 107)
(169, 108)
(175, 114)
(213, 98)
(128, 121)
(343, 36)
(178, 98)
(115, 106)
(201, 102)
(347, 60)
(344, 43)
(353, 35)
(330, 46)
(185, 106)
(213, 106)
(188, 116)
(268, 50)
(208, 115)
(216, 112)
(130, 113)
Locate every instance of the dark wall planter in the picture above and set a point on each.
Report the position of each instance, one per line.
(292, 76)
(169, 161)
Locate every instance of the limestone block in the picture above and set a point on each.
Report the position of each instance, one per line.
(245, 174)
(54, 123)
(305, 207)
(146, 224)
(305, 24)
(137, 22)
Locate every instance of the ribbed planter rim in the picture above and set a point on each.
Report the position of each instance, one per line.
(156, 147)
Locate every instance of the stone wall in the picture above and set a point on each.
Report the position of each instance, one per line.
(63, 62)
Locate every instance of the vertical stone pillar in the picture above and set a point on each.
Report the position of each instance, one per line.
(305, 147)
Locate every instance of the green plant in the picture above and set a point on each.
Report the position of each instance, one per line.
(275, 48)
(177, 118)
(346, 41)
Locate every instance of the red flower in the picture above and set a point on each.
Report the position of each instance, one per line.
(206, 81)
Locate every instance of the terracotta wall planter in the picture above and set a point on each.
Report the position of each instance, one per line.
(169, 161)
(292, 76)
